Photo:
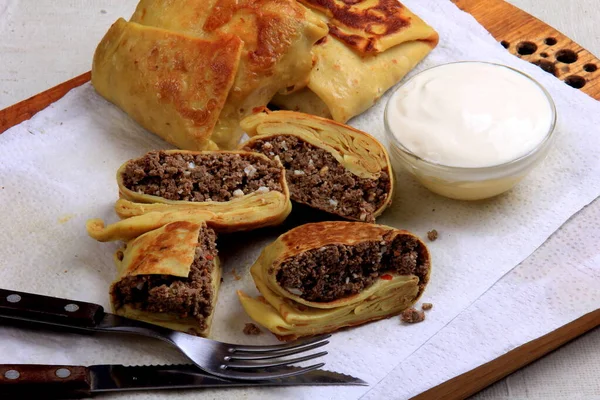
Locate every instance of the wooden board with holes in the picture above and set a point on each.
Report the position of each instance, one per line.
(524, 36)
(532, 40)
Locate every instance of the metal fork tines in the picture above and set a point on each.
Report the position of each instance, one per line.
(251, 362)
(228, 360)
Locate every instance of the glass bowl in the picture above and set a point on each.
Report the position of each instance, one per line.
(468, 183)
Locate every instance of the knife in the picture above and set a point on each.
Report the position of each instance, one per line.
(32, 381)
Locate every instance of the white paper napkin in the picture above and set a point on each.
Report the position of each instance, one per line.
(58, 169)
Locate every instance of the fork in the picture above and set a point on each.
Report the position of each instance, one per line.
(226, 360)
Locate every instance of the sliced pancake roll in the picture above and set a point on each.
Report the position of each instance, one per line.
(169, 277)
(230, 190)
(321, 277)
(329, 166)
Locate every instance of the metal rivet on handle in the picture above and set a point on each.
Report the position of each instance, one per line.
(63, 373)
(71, 307)
(12, 374)
(13, 298)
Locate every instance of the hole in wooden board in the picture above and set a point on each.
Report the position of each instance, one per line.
(550, 41)
(505, 44)
(590, 67)
(575, 81)
(544, 54)
(526, 48)
(547, 66)
(566, 56)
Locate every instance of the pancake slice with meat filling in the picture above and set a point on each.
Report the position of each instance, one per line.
(169, 277)
(230, 190)
(329, 166)
(321, 277)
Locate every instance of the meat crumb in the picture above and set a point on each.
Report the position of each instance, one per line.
(412, 316)
(426, 306)
(432, 235)
(251, 329)
(235, 275)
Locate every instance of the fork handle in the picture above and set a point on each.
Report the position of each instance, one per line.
(49, 310)
(29, 381)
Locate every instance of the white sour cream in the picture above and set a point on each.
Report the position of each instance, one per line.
(470, 115)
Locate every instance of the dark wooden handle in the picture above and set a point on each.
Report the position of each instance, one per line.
(49, 310)
(44, 381)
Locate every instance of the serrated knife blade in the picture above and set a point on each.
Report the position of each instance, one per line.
(118, 377)
(25, 381)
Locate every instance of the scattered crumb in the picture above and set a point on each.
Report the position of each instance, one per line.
(433, 210)
(235, 275)
(102, 11)
(221, 280)
(427, 306)
(432, 235)
(412, 316)
(65, 218)
(251, 329)
(65, 271)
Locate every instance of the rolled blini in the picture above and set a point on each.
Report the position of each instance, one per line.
(230, 190)
(371, 46)
(329, 166)
(169, 277)
(318, 278)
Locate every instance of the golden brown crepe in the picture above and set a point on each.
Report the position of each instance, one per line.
(169, 277)
(276, 35)
(172, 84)
(371, 46)
(252, 193)
(321, 277)
(329, 166)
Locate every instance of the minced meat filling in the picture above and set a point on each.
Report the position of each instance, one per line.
(337, 271)
(317, 179)
(191, 297)
(201, 177)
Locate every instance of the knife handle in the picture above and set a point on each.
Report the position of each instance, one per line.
(30, 381)
(49, 310)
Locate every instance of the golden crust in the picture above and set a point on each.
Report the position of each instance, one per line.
(289, 316)
(369, 26)
(278, 36)
(172, 84)
(357, 151)
(168, 250)
(141, 213)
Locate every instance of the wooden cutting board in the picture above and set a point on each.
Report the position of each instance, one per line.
(532, 40)
(527, 38)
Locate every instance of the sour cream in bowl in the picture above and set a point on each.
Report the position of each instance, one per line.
(470, 130)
